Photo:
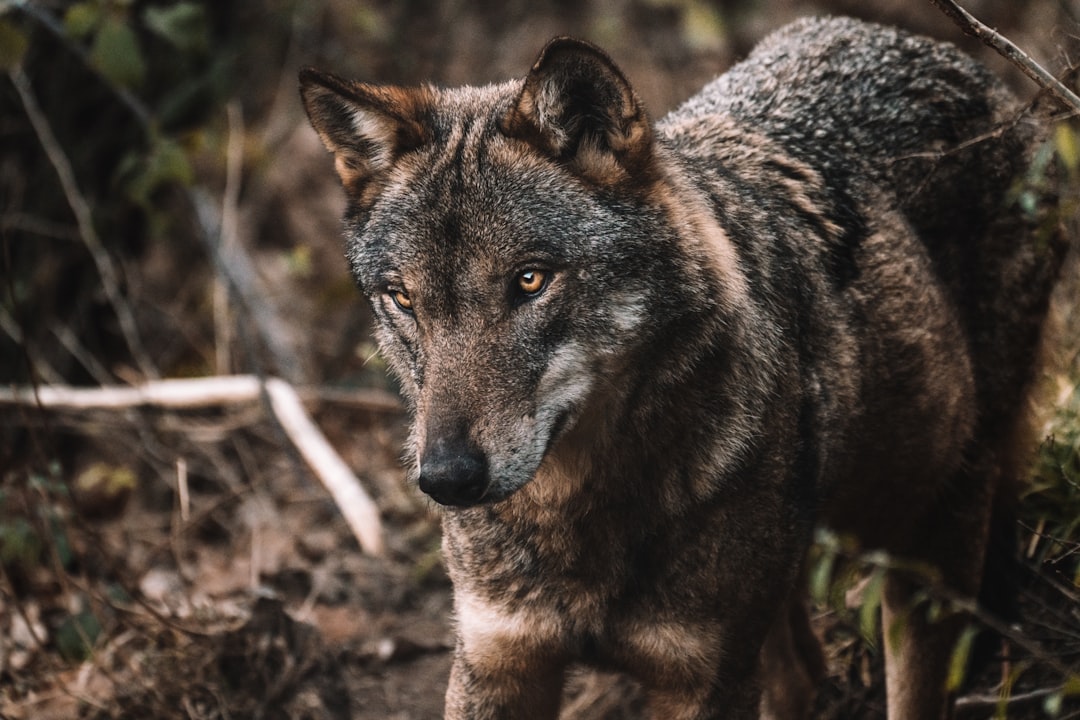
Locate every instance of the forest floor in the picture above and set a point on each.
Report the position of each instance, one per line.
(252, 599)
(164, 563)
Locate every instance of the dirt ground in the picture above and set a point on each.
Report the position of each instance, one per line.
(187, 564)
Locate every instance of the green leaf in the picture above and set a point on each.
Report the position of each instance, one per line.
(117, 55)
(1029, 203)
(1052, 704)
(1001, 712)
(703, 26)
(169, 163)
(13, 45)
(821, 576)
(60, 541)
(76, 636)
(166, 163)
(1068, 148)
(183, 25)
(20, 545)
(82, 18)
(958, 663)
(869, 610)
(897, 627)
(298, 261)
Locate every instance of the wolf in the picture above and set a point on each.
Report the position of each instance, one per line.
(645, 361)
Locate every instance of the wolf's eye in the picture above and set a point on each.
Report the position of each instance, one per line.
(532, 282)
(402, 300)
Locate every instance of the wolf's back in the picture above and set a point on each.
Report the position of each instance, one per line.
(868, 105)
(896, 122)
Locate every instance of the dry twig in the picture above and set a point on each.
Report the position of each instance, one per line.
(1008, 49)
(980, 705)
(357, 507)
(234, 161)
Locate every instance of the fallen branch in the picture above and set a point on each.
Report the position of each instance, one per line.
(1007, 49)
(186, 393)
(355, 504)
(357, 507)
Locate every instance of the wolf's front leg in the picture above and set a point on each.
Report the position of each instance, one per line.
(503, 682)
(736, 699)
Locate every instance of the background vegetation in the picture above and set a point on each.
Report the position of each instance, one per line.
(165, 212)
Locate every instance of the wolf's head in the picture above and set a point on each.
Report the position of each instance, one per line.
(514, 246)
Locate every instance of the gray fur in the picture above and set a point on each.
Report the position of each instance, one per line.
(802, 298)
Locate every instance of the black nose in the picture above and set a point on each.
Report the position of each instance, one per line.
(454, 476)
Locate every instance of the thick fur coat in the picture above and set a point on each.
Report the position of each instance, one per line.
(644, 362)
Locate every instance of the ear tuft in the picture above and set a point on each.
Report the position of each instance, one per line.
(578, 107)
(367, 127)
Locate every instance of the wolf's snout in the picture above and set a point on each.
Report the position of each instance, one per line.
(456, 477)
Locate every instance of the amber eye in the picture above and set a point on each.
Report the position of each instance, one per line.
(402, 300)
(531, 282)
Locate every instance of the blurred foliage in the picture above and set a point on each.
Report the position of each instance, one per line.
(132, 94)
(76, 635)
(34, 525)
(1052, 502)
(128, 89)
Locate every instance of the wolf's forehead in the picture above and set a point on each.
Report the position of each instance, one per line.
(477, 188)
(475, 218)
(470, 227)
(470, 195)
(455, 115)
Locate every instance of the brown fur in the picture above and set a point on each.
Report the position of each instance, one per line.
(803, 298)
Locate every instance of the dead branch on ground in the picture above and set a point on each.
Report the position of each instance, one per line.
(356, 506)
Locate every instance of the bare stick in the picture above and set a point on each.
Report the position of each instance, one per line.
(194, 393)
(228, 230)
(182, 489)
(1007, 49)
(183, 393)
(971, 705)
(10, 326)
(357, 507)
(81, 209)
(75, 348)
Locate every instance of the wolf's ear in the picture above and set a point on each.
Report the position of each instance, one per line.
(367, 127)
(578, 107)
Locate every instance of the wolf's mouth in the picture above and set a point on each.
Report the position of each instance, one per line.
(469, 489)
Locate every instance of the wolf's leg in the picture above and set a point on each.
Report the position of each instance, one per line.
(503, 683)
(918, 650)
(792, 665)
(738, 701)
(734, 694)
(917, 653)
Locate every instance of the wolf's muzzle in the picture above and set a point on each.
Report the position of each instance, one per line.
(454, 476)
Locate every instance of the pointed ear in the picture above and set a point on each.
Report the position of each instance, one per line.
(578, 107)
(367, 127)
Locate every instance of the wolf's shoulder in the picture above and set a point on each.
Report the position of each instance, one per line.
(848, 86)
(842, 67)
